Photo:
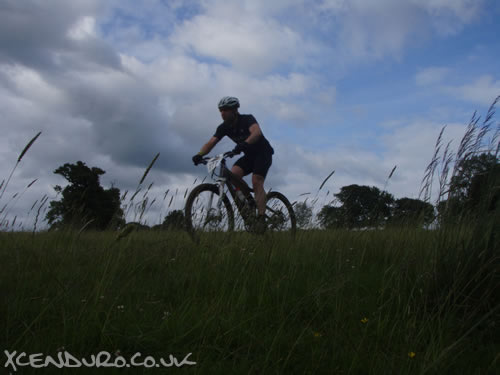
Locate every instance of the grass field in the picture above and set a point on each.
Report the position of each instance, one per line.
(394, 301)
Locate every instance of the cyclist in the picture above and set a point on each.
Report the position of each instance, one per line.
(245, 131)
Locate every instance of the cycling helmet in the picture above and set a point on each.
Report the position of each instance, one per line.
(229, 102)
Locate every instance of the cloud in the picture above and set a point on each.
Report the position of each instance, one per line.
(142, 30)
(84, 28)
(410, 146)
(430, 76)
(34, 37)
(252, 43)
(482, 91)
(449, 16)
(368, 29)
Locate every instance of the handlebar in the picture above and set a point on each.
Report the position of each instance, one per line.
(228, 154)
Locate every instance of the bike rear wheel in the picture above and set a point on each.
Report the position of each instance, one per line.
(280, 216)
(203, 215)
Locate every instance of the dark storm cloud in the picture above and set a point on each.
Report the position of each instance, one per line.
(127, 122)
(35, 34)
(122, 111)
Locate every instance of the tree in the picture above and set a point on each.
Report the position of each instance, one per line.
(85, 203)
(471, 173)
(174, 220)
(414, 212)
(360, 206)
(474, 189)
(331, 217)
(364, 206)
(303, 214)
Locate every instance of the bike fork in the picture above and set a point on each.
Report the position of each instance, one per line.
(217, 209)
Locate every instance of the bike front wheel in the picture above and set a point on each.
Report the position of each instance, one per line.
(205, 212)
(280, 216)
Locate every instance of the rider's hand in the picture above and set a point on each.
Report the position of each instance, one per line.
(197, 159)
(240, 147)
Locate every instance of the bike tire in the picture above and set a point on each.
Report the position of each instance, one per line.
(280, 218)
(192, 207)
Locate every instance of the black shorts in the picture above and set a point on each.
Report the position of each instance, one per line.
(258, 163)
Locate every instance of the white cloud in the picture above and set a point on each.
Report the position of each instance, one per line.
(376, 29)
(482, 91)
(251, 44)
(257, 37)
(449, 16)
(184, 82)
(83, 28)
(431, 75)
(31, 86)
(411, 147)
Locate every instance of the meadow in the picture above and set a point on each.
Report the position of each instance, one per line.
(393, 301)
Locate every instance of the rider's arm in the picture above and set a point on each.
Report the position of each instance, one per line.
(255, 133)
(207, 147)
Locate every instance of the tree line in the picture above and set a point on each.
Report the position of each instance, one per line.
(84, 203)
(473, 191)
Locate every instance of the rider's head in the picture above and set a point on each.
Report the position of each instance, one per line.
(228, 107)
(229, 102)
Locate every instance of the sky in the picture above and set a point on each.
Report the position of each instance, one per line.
(357, 87)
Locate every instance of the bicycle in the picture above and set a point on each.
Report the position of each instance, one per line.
(208, 209)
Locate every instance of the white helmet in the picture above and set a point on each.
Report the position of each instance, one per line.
(229, 102)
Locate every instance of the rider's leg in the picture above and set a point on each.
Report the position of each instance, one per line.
(259, 192)
(260, 167)
(238, 171)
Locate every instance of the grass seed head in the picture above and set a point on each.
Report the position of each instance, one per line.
(149, 167)
(30, 143)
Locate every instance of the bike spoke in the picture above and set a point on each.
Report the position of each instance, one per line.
(277, 216)
(206, 216)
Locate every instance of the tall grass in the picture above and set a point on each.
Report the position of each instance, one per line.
(5, 183)
(326, 302)
(141, 207)
(20, 157)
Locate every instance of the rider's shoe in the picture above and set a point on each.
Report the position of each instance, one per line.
(260, 224)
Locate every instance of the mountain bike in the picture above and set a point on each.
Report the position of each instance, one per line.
(208, 208)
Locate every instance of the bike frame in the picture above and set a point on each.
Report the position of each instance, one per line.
(225, 178)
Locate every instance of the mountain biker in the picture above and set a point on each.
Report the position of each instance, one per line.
(245, 131)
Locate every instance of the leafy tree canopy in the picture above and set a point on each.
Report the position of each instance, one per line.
(471, 171)
(84, 202)
(303, 214)
(474, 189)
(331, 217)
(413, 212)
(360, 206)
(174, 220)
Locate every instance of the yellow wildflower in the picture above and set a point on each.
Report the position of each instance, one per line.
(412, 354)
(364, 320)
